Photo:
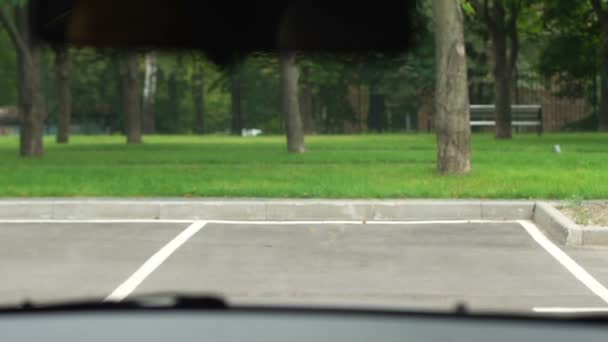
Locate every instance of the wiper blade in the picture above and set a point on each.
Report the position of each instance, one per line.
(170, 301)
(147, 302)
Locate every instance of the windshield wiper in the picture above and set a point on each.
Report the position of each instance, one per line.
(171, 301)
(154, 301)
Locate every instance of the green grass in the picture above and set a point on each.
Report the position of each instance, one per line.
(370, 166)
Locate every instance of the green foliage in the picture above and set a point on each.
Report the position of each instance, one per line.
(569, 55)
(13, 2)
(261, 93)
(8, 71)
(467, 8)
(96, 88)
(562, 46)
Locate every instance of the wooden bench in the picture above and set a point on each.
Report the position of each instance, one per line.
(521, 116)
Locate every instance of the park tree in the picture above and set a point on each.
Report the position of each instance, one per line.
(574, 55)
(602, 17)
(63, 68)
(95, 106)
(379, 71)
(451, 92)
(500, 19)
(197, 84)
(129, 69)
(372, 72)
(149, 93)
(8, 70)
(175, 112)
(31, 101)
(305, 98)
(289, 85)
(327, 80)
(236, 81)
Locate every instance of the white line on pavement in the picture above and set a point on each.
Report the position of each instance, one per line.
(357, 222)
(129, 285)
(16, 221)
(574, 268)
(569, 310)
(256, 222)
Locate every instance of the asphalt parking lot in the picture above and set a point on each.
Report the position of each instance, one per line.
(436, 265)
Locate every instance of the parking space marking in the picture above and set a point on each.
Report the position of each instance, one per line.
(16, 221)
(129, 285)
(569, 310)
(357, 222)
(253, 222)
(572, 266)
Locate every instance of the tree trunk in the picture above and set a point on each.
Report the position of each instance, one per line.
(376, 120)
(198, 96)
(317, 108)
(306, 101)
(306, 107)
(32, 107)
(603, 110)
(602, 16)
(31, 102)
(130, 80)
(602, 114)
(289, 83)
(360, 106)
(149, 100)
(235, 97)
(451, 94)
(502, 85)
(63, 66)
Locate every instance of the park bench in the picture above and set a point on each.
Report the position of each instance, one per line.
(521, 116)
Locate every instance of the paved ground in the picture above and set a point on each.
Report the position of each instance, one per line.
(487, 265)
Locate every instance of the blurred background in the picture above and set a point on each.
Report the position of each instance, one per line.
(184, 93)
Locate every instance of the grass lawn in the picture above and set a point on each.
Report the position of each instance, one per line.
(369, 166)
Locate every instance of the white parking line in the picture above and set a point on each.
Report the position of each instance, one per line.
(357, 222)
(256, 222)
(16, 221)
(569, 310)
(129, 285)
(572, 266)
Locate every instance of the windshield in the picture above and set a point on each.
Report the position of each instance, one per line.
(468, 169)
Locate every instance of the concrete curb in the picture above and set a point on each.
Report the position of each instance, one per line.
(562, 229)
(265, 209)
(555, 224)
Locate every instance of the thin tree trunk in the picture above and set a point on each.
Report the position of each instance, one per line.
(360, 106)
(602, 16)
(235, 96)
(149, 101)
(198, 96)
(502, 91)
(63, 66)
(130, 79)
(376, 120)
(372, 125)
(306, 101)
(31, 102)
(516, 93)
(502, 85)
(603, 110)
(289, 84)
(316, 112)
(32, 108)
(451, 95)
